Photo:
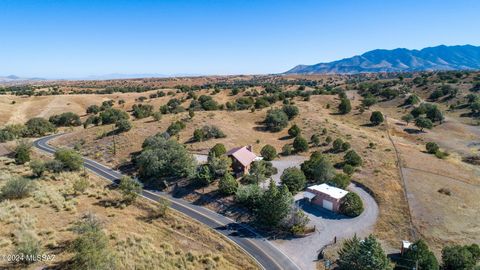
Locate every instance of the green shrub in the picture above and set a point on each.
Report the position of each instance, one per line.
(175, 128)
(352, 158)
(300, 144)
(129, 189)
(228, 185)
(37, 127)
(157, 116)
(6, 136)
(80, 185)
(249, 195)
(70, 159)
(67, 119)
(22, 152)
(422, 123)
(345, 146)
(344, 107)
(294, 131)
(204, 175)
(268, 152)
(315, 139)
(94, 109)
(294, 179)
(337, 145)
(441, 155)
(16, 188)
(54, 166)
(123, 125)
(348, 169)
(91, 249)
(28, 245)
(217, 150)
(351, 205)
(142, 110)
(340, 180)
(432, 147)
(207, 132)
(276, 120)
(38, 167)
(111, 116)
(376, 118)
(291, 111)
(287, 150)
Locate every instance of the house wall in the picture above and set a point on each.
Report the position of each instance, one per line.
(320, 196)
(238, 168)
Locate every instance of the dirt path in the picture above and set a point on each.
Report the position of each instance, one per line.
(413, 229)
(440, 218)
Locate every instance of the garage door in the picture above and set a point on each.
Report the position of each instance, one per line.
(327, 205)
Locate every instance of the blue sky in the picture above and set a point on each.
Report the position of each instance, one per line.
(64, 39)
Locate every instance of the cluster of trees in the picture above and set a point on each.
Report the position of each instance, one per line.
(204, 102)
(277, 119)
(218, 166)
(367, 253)
(162, 158)
(273, 208)
(424, 116)
(362, 254)
(444, 90)
(379, 89)
(67, 119)
(35, 127)
(173, 106)
(207, 132)
(142, 110)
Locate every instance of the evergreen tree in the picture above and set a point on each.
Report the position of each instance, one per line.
(274, 205)
(362, 255)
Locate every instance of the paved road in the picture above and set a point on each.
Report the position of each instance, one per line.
(267, 255)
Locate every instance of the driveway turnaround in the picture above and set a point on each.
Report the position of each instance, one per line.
(304, 250)
(265, 253)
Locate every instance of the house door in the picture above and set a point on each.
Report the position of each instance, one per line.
(327, 205)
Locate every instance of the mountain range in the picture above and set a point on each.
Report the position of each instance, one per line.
(460, 57)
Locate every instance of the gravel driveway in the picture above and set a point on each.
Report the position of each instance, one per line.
(304, 251)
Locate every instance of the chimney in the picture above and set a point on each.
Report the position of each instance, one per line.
(249, 148)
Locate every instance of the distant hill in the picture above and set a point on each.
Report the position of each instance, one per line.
(465, 57)
(14, 78)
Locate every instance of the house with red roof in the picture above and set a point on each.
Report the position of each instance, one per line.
(242, 159)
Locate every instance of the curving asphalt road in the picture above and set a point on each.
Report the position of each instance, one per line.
(266, 255)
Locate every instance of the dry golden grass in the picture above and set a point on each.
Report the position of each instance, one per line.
(171, 242)
(379, 171)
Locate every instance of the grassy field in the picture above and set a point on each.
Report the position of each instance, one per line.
(379, 172)
(139, 242)
(440, 219)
